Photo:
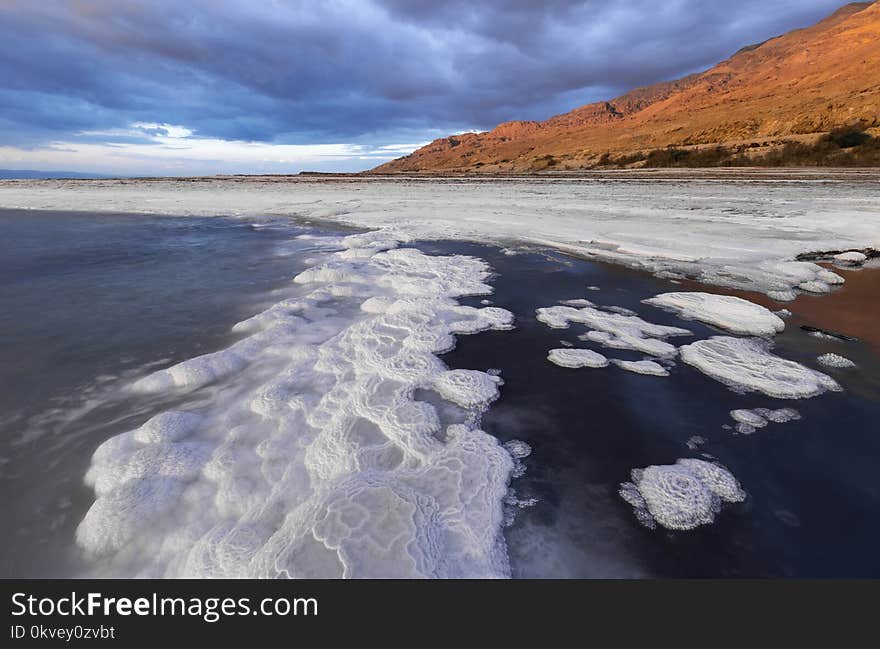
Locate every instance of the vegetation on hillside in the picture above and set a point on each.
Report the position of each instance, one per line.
(848, 146)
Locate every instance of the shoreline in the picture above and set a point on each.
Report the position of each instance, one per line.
(753, 231)
(842, 174)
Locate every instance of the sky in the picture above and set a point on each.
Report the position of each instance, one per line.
(162, 87)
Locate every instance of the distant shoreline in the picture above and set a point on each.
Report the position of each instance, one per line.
(642, 173)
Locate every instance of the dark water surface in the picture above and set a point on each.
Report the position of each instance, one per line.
(88, 302)
(813, 505)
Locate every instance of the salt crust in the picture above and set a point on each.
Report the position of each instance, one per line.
(321, 452)
(576, 358)
(649, 368)
(726, 312)
(746, 364)
(739, 234)
(614, 330)
(680, 496)
(748, 421)
(835, 360)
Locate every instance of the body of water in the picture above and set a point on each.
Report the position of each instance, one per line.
(812, 491)
(90, 303)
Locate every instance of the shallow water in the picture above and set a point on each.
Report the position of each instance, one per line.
(87, 303)
(812, 488)
(90, 303)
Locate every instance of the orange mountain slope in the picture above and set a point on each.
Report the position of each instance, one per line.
(805, 82)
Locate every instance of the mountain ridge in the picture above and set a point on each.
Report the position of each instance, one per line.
(795, 86)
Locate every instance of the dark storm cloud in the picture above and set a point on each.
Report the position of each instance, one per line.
(302, 72)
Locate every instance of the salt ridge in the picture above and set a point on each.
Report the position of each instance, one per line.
(335, 444)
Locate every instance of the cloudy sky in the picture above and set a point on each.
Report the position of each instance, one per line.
(241, 86)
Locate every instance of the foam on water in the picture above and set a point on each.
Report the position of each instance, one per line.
(680, 496)
(747, 364)
(726, 312)
(335, 443)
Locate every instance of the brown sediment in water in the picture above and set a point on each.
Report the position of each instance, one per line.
(852, 309)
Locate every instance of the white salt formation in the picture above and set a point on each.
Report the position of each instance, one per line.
(835, 360)
(814, 287)
(780, 415)
(726, 312)
(739, 234)
(578, 303)
(614, 330)
(852, 258)
(748, 421)
(576, 358)
(746, 364)
(335, 443)
(680, 496)
(518, 450)
(467, 388)
(649, 368)
(823, 335)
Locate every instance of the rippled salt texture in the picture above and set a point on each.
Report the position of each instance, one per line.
(747, 364)
(835, 360)
(336, 442)
(680, 496)
(726, 312)
(576, 358)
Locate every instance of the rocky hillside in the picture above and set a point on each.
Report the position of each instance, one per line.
(795, 87)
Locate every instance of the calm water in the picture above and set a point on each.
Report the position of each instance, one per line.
(813, 490)
(88, 302)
